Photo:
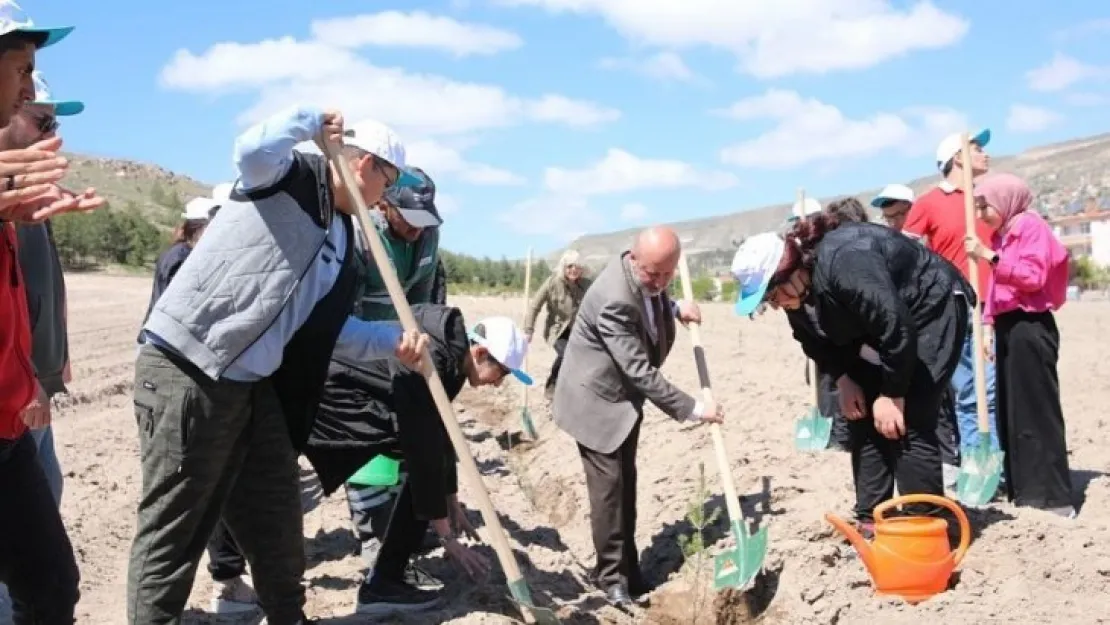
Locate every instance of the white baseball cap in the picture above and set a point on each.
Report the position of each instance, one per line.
(380, 140)
(952, 144)
(222, 192)
(753, 266)
(200, 208)
(893, 193)
(62, 108)
(13, 19)
(811, 206)
(505, 343)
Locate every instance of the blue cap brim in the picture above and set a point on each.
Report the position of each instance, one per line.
(878, 202)
(745, 306)
(407, 180)
(524, 378)
(983, 138)
(53, 35)
(65, 108)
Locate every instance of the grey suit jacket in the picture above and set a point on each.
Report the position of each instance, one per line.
(611, 365)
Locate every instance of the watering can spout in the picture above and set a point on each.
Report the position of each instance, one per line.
(863, 548)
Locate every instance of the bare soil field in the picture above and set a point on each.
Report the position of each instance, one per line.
(1023, 566)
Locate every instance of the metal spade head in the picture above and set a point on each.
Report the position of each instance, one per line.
(527, 424)
(522, 597)
(737, 566)
(812, 431)
(980, 473)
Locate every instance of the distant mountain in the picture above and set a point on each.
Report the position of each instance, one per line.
(1063, 175)
(154, 191)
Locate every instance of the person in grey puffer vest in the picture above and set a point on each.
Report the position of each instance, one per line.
(235, 355)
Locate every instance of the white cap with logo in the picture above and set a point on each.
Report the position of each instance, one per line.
(951, 145)
(62, 108)
(13, 19)
(380, 140)
(893, 193)
(505, 344)
(753, 266)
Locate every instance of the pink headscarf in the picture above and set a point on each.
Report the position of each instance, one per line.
(1008, 194)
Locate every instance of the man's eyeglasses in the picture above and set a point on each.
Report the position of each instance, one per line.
(46, 124)
(388, 170)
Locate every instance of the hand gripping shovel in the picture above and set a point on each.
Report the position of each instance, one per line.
(517, 586)
(813, 430)
(981, 466)
(736, 567)
(527, 424)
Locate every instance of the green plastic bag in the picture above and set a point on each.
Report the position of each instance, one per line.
(381, 471)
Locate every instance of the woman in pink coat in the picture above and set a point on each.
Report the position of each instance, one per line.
(1029, 281)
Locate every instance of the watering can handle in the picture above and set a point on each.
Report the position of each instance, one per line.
(944, 502)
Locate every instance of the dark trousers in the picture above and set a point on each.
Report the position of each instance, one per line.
(912, 462)
(404, 537)
(828, 402)
(210, 450)
(225, 559)
(36, 557)
(1030, 419)
(611, 482)
(948, 436)
(560, 346)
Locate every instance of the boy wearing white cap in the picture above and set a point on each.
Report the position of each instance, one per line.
(380, 409)
(235, 358)
(895, 202)
(937, 218)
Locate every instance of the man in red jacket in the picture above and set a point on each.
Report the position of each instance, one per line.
(36, 558)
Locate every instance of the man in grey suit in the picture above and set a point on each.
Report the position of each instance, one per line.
(622, 334)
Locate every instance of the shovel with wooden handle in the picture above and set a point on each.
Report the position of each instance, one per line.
(813, 429)
(521, 594)
(737, 566)
(526, 422)
(980, 466)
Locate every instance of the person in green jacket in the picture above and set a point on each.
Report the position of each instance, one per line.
(408, 223)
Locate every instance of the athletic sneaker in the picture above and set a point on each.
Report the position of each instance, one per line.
(421, 579)
(234, 596)
(378, 597)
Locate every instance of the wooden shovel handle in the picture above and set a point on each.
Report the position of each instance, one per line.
(732, 501)
(495, 533)
(973, 275)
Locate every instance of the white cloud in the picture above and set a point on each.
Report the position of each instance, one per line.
(394, 29)
(1087, 99)
(447, 204)
(621, 172)
(1025, 118)
(1062, 72)
(1082, 29)
(563, 218)
(438, 158)
(807, 130)
(774, 39)
(560, 109)
(286, 71)
(664, 65)
(633, 211)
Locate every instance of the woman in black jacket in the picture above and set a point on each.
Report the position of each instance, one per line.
(883, 315)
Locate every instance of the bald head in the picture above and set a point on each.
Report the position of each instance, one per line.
(655, 257)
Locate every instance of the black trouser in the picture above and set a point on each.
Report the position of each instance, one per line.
(404, 536)
(828, 402)
(948, 436)
(1030, 420)
(36, 557)
(611, 483)
(913, 461)
(225, 559)
(560, 346)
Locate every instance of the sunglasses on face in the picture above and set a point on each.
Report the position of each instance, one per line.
(388, 170)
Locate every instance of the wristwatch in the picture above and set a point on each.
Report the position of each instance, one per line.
(993, 260)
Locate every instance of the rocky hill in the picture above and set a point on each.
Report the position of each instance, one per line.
(1065, 176)
(157, 193)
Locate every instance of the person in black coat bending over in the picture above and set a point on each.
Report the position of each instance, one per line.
(886, 317)
(381, 407)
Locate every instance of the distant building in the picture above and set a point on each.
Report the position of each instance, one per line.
(1085, 229)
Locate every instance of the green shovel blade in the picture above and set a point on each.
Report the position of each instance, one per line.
(522, 597)
(527, 425)
(980, 473)
(738, 566)
(812, 432)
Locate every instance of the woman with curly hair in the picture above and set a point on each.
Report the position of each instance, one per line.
(886, 318)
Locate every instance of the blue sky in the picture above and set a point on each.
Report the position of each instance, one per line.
(544, 119)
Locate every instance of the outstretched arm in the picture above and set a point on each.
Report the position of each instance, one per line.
(264, 153)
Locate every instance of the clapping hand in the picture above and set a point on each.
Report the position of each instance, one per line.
(28, 174)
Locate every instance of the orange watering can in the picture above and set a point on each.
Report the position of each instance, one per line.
(910, 556)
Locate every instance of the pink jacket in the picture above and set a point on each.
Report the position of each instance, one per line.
(1032, 269)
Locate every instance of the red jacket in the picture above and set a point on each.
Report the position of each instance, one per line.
(17, 378)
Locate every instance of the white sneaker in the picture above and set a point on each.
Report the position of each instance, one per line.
(234, 596)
